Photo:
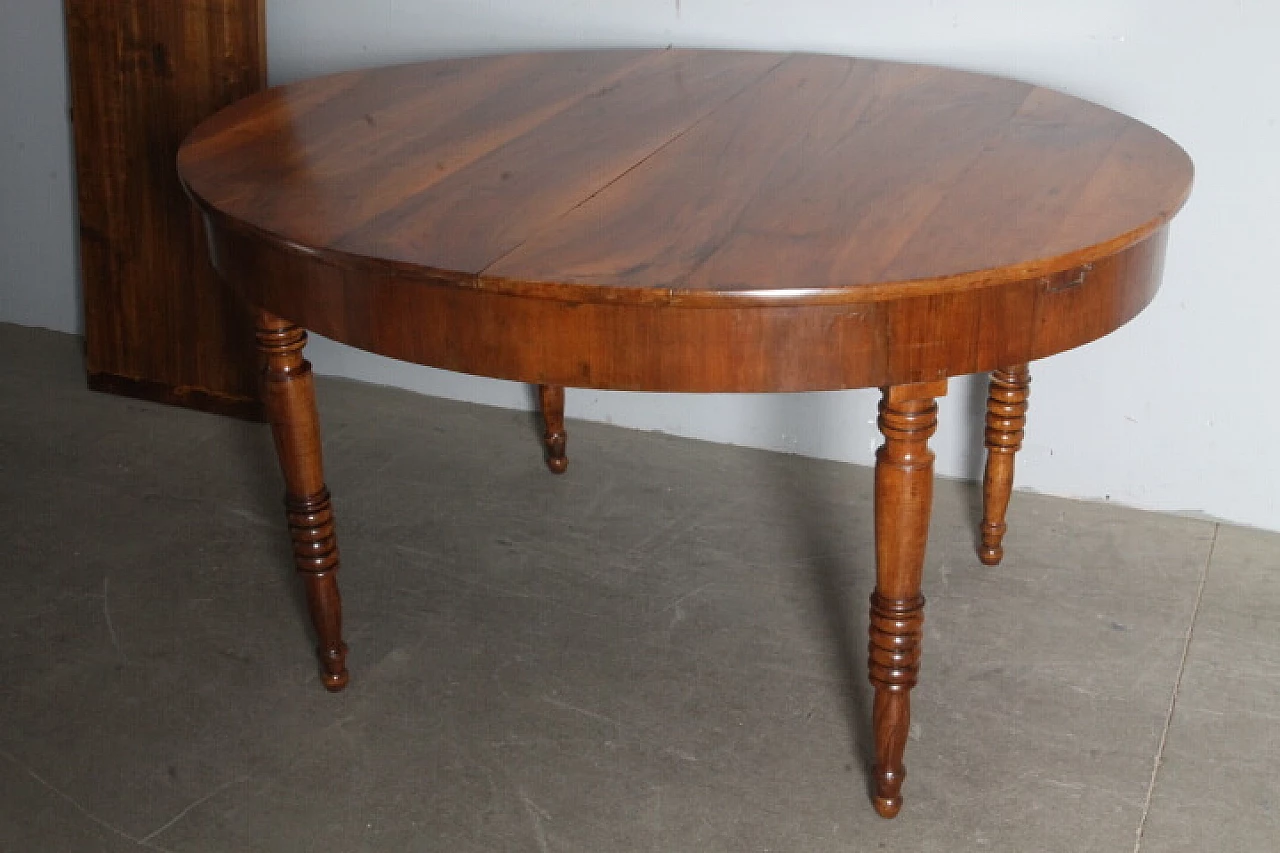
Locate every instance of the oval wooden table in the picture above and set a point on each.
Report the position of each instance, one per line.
(686, 220)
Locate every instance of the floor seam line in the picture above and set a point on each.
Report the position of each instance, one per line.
(49, 786)
(1177, 687)
(146, 839)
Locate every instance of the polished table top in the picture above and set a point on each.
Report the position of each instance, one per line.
(689, 220)
(691, 179)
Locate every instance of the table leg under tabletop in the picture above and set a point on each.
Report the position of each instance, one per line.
(1006, 421)
(904, 499)
(554, 438)
(904, 494)
(288, 393)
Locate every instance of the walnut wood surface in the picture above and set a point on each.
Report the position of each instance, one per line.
(904, 498)
(289, 394)
(1005, 423)
(143, 73)
(692, 221)
(568, 218)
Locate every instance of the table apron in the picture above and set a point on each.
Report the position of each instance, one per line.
(654, 347)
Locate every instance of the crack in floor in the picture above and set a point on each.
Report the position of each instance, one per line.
(1177, 686)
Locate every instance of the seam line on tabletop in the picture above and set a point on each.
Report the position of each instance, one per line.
(777, 157)
(553, 110)
(636, 165)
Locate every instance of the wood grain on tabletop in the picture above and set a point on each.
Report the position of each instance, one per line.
(677, 174)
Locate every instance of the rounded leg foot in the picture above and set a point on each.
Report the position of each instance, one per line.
(990, 555)
(333, 668)
(887, 790)
(557, 461)
(887, 807)
(554, 437)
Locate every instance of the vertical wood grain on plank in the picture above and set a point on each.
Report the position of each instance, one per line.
(158, 322)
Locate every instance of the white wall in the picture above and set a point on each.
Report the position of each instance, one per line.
(38, 262)
(1174, 412)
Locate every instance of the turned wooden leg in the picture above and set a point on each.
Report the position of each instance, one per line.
(554, 437)
(1006, 420)
(904, 497)
(289, 396)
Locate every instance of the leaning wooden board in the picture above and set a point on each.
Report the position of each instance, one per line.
(143, 73)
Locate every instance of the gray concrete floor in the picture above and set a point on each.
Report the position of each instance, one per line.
(662, 650)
